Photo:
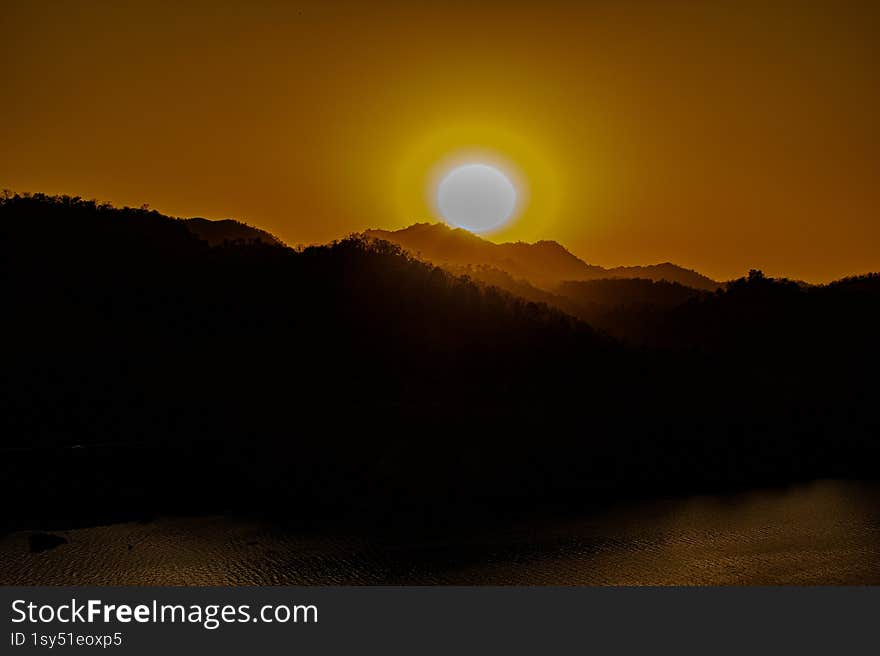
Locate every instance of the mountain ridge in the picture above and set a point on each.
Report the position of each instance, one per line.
(342, 379)
(545, 264)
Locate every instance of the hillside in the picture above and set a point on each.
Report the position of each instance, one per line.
(146, 371)
(544, 264)
(182, 368)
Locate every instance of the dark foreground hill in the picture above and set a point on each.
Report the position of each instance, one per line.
(146, 370)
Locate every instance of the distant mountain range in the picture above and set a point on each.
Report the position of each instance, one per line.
(543, 272)
(544, 264)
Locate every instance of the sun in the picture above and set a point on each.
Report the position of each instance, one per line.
(427, 154)
(476, 197)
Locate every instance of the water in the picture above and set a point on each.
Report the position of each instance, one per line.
(826, 532)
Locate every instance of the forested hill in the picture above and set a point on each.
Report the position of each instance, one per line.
(128, 310)
(145, 369)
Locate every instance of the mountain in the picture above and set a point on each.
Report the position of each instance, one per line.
(227, 230)
(665, 272)
(147, 372)
(329, 377)
(544, 264)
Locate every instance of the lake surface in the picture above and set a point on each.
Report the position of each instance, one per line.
(826, 532)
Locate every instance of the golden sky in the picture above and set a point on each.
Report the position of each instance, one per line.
(718, 135)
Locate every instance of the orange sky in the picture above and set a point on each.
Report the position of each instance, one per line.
(718, 135)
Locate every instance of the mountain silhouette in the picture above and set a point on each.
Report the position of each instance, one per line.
(215, 232)
(146, 370)
(544, 264)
